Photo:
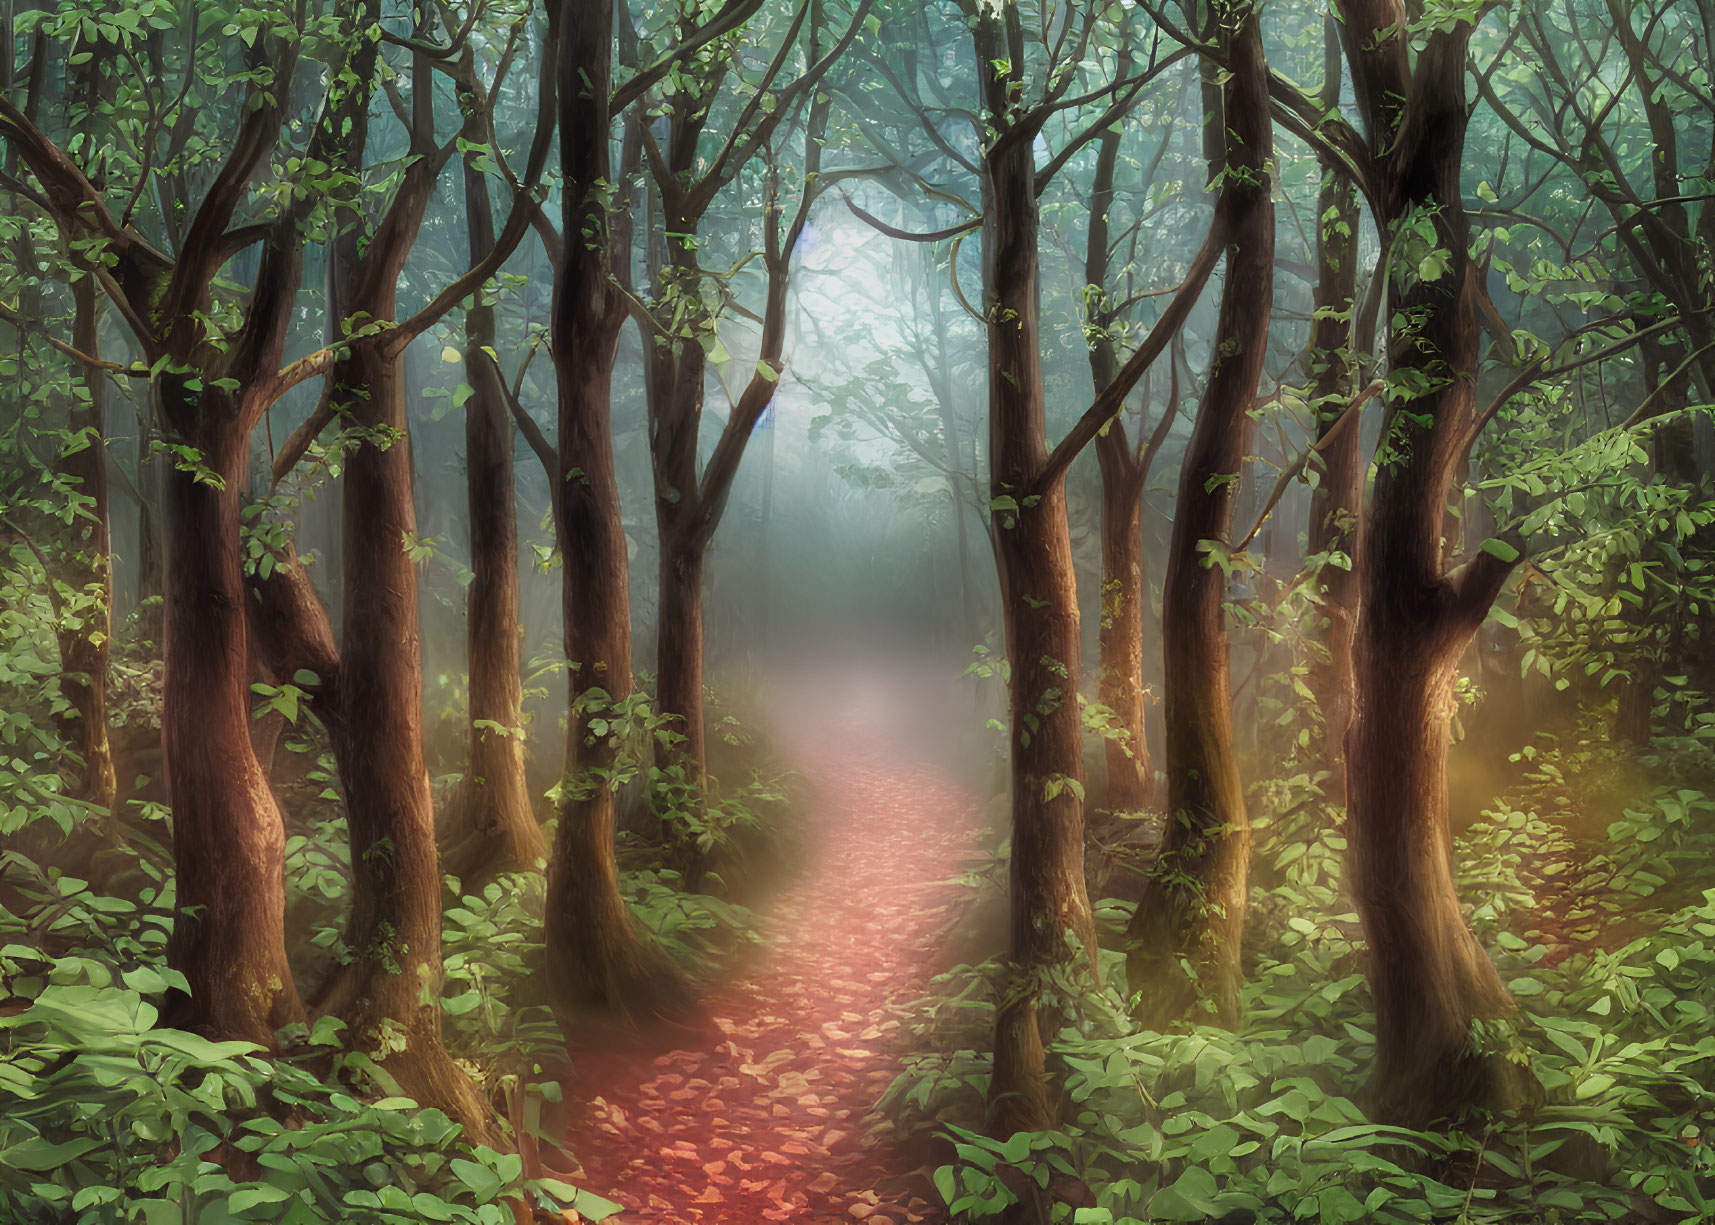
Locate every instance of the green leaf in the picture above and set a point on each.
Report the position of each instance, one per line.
(38, 1153)
(1499, 549)
(1190, 1198)
(585, 1203)
(250, 1197)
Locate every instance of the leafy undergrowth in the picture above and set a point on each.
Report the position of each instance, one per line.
(1608, 952)
(105, 1116)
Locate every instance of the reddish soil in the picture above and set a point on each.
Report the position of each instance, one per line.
(769, 1116)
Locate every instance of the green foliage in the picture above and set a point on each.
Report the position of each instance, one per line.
(1619, 560)
(1183, 1126)
(105, 1112)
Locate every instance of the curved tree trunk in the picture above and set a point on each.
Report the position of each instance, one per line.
(1429, 975)
(1192, 910)
(598, 959)
(228, 843)
(1337, 499)
(1040, 618)
(1417, 615)
(1130, 773)
(389, 992)
(495, 830)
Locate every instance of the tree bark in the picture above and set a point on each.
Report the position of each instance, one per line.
(599, 961)
(228, 843)
(1125, 600)
(1193, 906)
(389, 992)
(494, 828)
(1337, 501)
(679, 647)
(1125, 606)
(1430, 978)
(1040, 620)
(1429, 975)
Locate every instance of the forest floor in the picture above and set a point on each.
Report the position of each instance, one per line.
(767, 1114)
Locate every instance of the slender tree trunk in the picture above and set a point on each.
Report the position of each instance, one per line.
(1429, 975)
(495, 830)
(676, 409)
(942, 384)
(1193, 907)
(151, 532)
(1130, 773)
(598, 959)
(389, 992)
(1337, 500)
(679, 649)
(84, 643)
(1040, 617)
(1125, 605)
(228, 843)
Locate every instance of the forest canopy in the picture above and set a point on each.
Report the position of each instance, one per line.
(659, 609)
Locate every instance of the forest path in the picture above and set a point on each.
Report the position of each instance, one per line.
(767, 1118)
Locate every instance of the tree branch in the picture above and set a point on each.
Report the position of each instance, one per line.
(734, 14)
(1111, 402)
(95, 363)
(1294, 470)
(876, 223)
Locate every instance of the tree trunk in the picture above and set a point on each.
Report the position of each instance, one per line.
(1125, 605)
(151, 534)
(1337, 500)
(1130, 773)
(228, 843)
(495, 830)
(1040, 618)
(675, 370)
(1192, 910)
(598, 959)
(679, 648)
(389, 992)
(84, 642)
(941, 383)
(1428, 974)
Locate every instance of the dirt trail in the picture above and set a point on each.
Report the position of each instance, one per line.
(765, 1118)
